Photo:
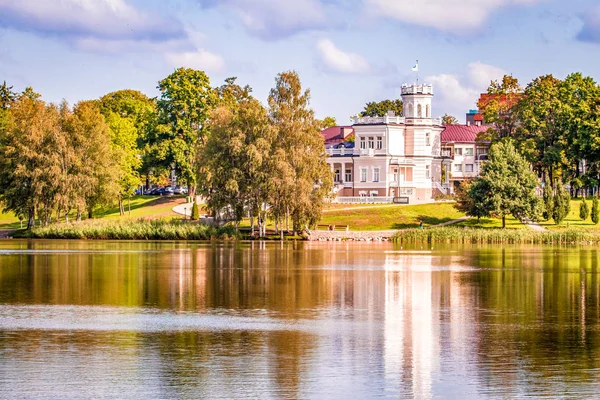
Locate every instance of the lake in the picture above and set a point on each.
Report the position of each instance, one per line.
(86, 319)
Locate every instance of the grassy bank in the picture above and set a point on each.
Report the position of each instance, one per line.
(498, 236)
(388, 217)
(132, 230)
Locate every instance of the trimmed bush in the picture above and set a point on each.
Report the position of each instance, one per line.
(584, 210)
(595, 211)
(195, 212)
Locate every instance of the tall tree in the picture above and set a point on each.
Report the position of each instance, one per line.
(449, 120)
(506, 185)
(498, 108)
(300, 159)
(183, 108)
(381, 108)
(7, 96)
(238, 159)
(327, 122)
(29, 167)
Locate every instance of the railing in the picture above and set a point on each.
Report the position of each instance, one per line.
(342, 152)
(363, 200)
(402, 161)
(367, 152)
(386, 119)
(447, 153)
(417, 89)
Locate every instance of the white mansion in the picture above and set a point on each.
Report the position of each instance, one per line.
(404, 159)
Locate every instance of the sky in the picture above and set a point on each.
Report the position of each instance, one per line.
(347, 52)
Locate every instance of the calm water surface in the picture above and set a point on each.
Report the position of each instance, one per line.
(189, 320)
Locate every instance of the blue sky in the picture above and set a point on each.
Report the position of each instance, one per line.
(347, 52)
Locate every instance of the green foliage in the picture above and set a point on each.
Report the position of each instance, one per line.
(499, 111)
(548, 197)
(470, 199)
(327, 122)
(449, 120)
(562, 205)
(595, 210)
(584, 210)
(381, 108)
(498, 236)
(302, 179)
(185, 103)
(7, 96)
(195, 212)
(133, 230)
(506, 185)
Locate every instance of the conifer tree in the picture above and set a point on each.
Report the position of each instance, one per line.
(562, 205)
(595, 211)
(584, 210)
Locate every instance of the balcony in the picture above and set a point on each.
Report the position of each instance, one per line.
(342, 152)
(447, 153)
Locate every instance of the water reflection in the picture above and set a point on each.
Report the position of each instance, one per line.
(178, 319)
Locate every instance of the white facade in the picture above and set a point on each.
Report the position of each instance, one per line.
(393, 156)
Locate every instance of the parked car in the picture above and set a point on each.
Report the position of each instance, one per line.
(178, 190)
(166, 191)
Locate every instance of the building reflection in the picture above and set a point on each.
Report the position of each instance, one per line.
(366, 320)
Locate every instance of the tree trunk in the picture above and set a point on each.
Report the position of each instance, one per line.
(78, 214)
(287, 219)
(121, 207)
(503, 221)
(90, 214)
(31, 218)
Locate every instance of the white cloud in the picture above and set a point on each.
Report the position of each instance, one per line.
(456, 16)
(591, 26)
(455, 94)
(199, 59)
(336, 60)
(274, 19)
(480, 75)
(76, 19)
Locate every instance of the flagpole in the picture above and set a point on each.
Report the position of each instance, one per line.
(417, 72)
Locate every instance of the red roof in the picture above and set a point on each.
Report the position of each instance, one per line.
(462, 133)
(335, 134)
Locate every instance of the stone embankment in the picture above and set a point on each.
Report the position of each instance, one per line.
(357, 236)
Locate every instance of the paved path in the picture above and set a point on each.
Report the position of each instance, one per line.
(184, 209)
(536, 227)
(456, 221)
(362, 207)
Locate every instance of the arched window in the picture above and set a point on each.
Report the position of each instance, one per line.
(410, 113)
(427, 111)
(419, 111)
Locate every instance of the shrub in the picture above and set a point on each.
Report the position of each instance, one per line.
(562, 205)
(584, 210)
(595, 211)
(195, 212)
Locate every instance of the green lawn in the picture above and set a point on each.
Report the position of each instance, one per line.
(573, 220)
(8, 221)
(141, 207)
(511, 223)
(386, 217)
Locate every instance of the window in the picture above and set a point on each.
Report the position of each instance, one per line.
(427, 172)
(481, 151)
(458, 151)
(363, 174)
(427, 139)
(457, 167)
(371, 142)
(374, 193)
(379, 143)
(363, 142)
(477, 123)
(395, 170)
(419, 111)
(469, 151)
(337, 175)
(468, 167)
(348, 175)
(427, 111)
(375, 174)
(410, 113)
